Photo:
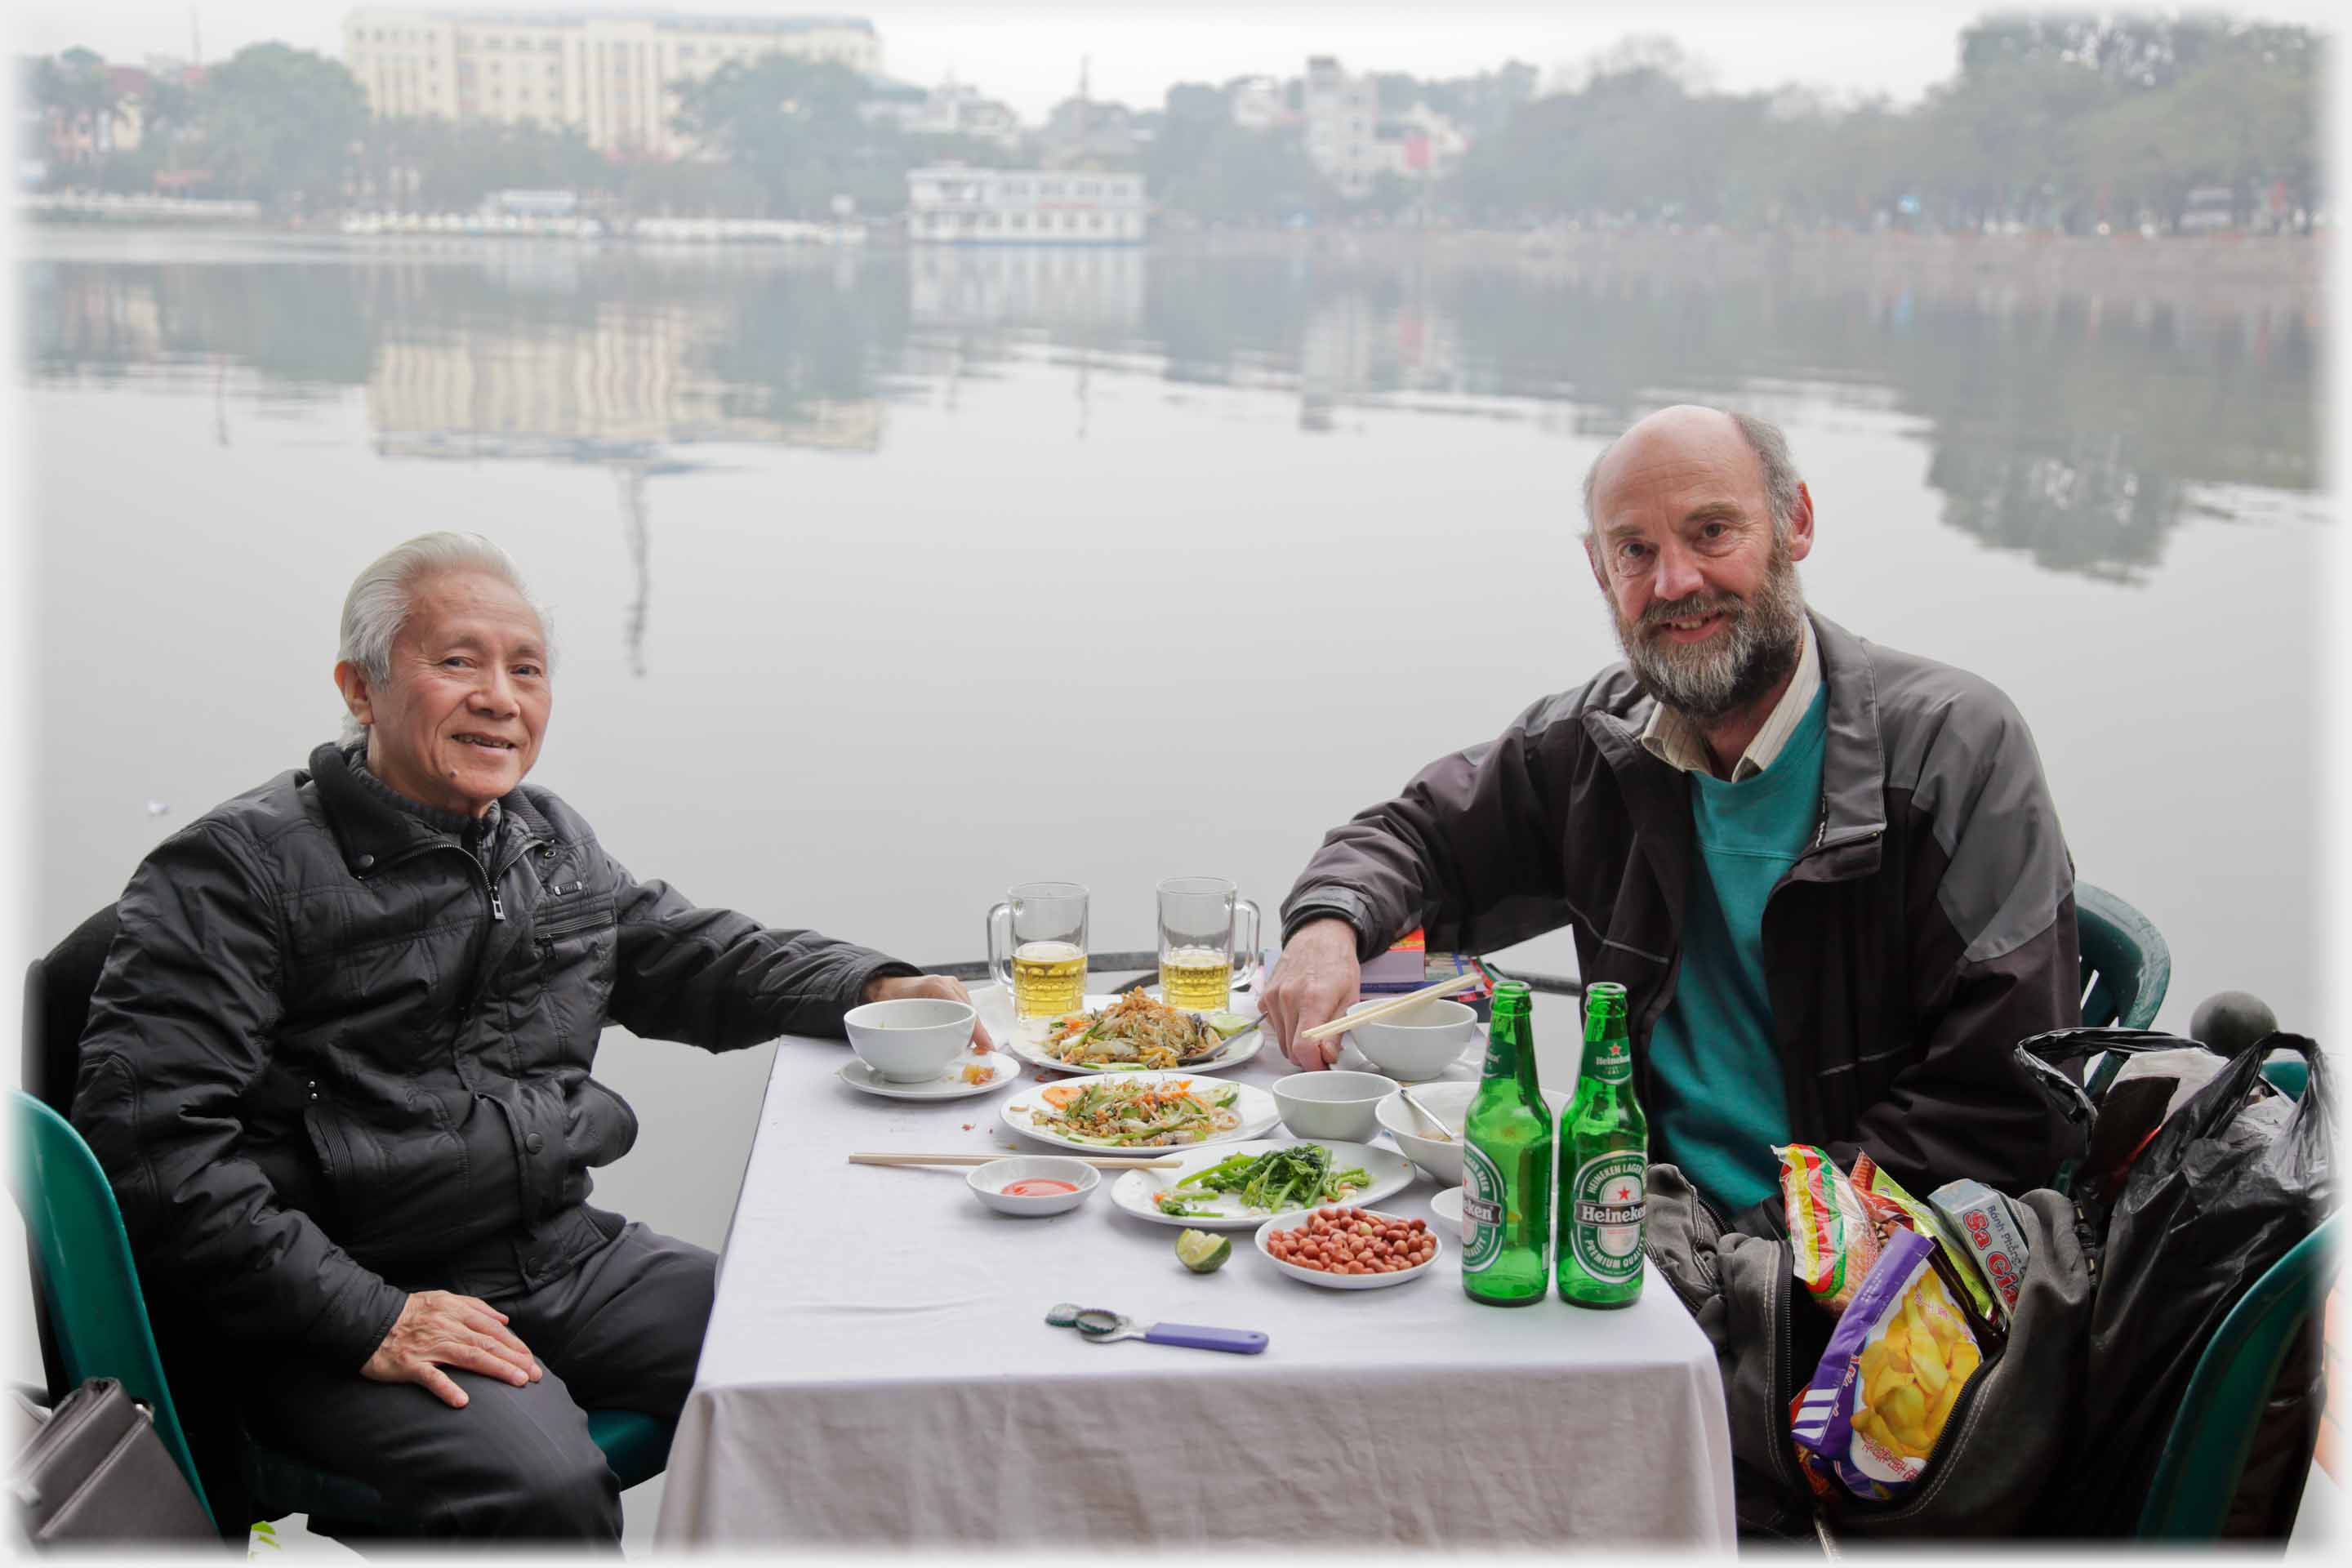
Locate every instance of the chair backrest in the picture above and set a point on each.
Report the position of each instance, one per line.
(83, 1273)
(57, 1009)
(2126, 964)
(2205, 1453)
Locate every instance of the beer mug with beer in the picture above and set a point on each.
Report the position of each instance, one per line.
(1037, 948)
(1203, 953)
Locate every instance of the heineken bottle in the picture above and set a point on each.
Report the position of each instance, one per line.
(1507, 1164)
(1604, 1163)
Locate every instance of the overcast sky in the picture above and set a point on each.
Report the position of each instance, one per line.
(1029, 54)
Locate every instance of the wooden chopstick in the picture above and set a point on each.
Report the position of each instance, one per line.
(1101, 1163)
(1347, 1021)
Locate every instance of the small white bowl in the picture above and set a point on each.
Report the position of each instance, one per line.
(910, 1039)
(1342, 1281)
(988, 1184)
(1418, 1043)
(1331, 1104)
(1450, 1103)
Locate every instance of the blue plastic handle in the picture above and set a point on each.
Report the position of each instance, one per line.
(1240, 1342)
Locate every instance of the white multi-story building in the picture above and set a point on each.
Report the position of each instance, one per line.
(953, 205)
(609, 75)
(1343, 114)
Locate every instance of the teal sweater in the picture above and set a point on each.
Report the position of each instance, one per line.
(1722, 1104)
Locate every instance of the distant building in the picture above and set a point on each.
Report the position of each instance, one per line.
(610, 75)
(1342, 116)
(1419, 144)
(1259, 103)
(952, 205)
(951, 109)
(1082, 131)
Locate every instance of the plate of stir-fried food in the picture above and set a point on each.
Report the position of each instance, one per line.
(1141, 1111)
(1236, 1187)
(1137, 1032)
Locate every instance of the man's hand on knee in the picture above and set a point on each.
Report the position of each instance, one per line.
(1312, 985)
(440, 1328)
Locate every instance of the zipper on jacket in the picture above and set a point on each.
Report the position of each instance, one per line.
(1784, 1380)
(498, 910)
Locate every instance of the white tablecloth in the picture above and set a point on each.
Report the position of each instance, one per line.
(878, 1369)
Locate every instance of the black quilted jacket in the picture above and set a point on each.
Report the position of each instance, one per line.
(334, 1056)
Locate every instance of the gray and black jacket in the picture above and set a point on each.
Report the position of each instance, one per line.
(1929, 928)
(334, 1056)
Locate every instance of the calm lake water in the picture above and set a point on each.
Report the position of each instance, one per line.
(882, 583)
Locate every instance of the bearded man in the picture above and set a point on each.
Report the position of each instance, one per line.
(1829, 875)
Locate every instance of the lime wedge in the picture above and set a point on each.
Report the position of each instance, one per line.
(1228, 1024)
(1202, 1253)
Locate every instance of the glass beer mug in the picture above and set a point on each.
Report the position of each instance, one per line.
(1037, 948)
(1205, 954)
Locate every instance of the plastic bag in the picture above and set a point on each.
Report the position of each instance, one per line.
(2229, 1185)
(1831, 1235)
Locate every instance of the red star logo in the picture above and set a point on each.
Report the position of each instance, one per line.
(1623, 1193)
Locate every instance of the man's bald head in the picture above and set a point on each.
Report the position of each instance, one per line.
(1690, 431)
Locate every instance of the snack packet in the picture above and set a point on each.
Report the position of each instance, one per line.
(1896, 1366)
(1887, 1198)
(1830, 1232)
(1988, 1233)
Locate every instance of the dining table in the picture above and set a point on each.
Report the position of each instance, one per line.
(880, 1368)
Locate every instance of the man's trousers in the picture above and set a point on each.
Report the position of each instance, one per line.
(622, 1332)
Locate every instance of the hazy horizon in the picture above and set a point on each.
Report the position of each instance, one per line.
(1029, 55)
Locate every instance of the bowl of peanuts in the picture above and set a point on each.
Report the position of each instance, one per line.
(1350, 1248)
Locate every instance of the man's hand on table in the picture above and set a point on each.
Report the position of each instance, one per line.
(1312, 984)
(938, 985)
(439, 1328)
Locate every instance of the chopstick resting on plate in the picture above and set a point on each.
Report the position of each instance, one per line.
(1101, 1163)
(1347, 1021)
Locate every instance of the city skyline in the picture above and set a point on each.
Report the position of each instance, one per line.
(1031, 58)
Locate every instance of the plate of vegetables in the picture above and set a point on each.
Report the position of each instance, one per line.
(1237, 1186)
(1143, 1110)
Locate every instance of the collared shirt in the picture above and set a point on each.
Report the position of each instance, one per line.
(1676, 741)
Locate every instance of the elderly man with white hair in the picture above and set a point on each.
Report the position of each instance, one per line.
(338, 1070)
(1829, 873)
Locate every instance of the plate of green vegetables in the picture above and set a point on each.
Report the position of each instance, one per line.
(1238, 1186)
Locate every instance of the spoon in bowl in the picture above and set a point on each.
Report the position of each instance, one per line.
(1436, 1129)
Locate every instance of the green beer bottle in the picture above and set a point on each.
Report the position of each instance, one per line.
(1604, 1165)
(1507, 1164)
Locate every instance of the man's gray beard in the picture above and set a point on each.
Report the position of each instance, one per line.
(1704, 684)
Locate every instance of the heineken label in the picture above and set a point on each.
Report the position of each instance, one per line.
(1611, 1061)
(1484, 1204)
(1606, 1204)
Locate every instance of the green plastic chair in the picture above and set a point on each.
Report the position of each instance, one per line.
(88, 1287)
(2205, 1453)
(2126, 964)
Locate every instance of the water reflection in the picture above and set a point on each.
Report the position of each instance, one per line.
(2079, 430)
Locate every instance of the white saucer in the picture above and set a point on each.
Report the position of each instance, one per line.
(1448, 1206)
(947, 1086)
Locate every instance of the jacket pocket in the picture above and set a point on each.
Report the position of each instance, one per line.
(574, 940)
(600, 1126)
(568, 914)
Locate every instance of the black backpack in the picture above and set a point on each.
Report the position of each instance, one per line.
(1998, 1470)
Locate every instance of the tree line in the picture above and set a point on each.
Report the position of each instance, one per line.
(2065, 123)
